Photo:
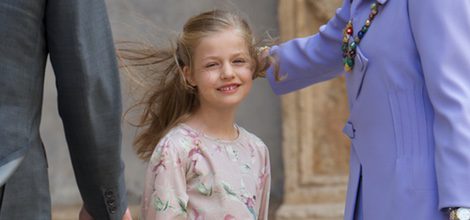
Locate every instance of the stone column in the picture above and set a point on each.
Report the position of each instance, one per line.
(315, 152)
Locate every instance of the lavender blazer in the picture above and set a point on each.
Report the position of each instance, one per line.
(409, 98)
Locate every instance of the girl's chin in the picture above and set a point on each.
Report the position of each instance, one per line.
(226, 105)
(225, 101)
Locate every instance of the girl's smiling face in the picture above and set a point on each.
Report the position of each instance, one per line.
(222, 70)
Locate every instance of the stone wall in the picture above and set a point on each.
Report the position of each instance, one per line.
(315, 151)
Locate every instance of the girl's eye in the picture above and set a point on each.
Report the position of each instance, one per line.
(209, 65)
(239, 61)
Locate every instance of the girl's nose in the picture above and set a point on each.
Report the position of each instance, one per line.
(227, 72)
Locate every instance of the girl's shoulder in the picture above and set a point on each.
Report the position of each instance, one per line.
(181, 131)
(178, 139)
(252, 139)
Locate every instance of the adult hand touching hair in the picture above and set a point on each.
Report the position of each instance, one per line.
(264, 60)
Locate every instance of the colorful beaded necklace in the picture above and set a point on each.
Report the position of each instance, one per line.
(349, 49)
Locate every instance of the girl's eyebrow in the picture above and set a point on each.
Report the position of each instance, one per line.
(209, 57)
(238, 53)
(232, 55)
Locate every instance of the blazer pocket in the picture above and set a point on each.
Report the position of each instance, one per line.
(355, 79)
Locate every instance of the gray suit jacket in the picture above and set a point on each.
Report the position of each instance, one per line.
(77, 36)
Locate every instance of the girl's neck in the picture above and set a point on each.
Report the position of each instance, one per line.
(215, 123)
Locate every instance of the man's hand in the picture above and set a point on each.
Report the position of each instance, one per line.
(84, 215)
(127, 215)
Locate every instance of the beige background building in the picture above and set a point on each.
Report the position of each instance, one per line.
(309, 155)
(315, 151)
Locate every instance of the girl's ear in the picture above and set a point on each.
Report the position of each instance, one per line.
(188, 76)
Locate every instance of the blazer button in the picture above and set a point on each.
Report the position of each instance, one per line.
(111, 202)
(349, 130)
(112, 209)
(109, 194)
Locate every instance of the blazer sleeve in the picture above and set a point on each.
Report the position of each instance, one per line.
(89, 98)
(305, 61)
(441, 30)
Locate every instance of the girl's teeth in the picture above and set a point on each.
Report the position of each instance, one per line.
(228, 88)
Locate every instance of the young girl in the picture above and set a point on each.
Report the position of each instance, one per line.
(202, 165)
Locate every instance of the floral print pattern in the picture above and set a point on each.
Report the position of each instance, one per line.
(193, 176)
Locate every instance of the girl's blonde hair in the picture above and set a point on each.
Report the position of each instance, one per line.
(170, 99)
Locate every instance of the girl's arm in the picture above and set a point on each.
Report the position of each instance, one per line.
(167, 198)
(304, 61)
(266, 188)
(445, 60)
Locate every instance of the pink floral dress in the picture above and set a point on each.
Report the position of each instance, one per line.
(193, 176)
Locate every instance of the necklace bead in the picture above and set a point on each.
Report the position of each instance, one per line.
(353, 45)
(374, 12)
(357, 40)
(349, 49)
(373, 6)
(360, 34)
